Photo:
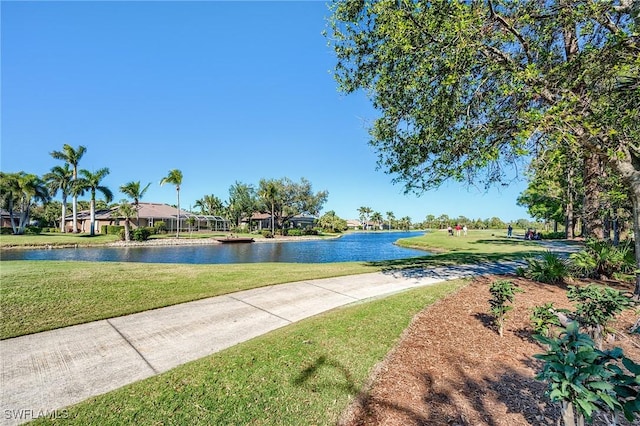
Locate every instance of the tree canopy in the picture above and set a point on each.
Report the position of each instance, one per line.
(471, 91)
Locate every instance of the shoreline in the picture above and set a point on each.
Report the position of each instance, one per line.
(167, 242)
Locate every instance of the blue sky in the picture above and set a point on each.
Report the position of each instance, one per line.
(224, 91)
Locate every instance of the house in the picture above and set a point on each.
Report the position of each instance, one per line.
(301, 221)
(149, 214)
(353, 224)
(261, 221)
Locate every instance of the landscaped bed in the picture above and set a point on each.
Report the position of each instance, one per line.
(452, 368)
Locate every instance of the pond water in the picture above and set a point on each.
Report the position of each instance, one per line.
(360, 247)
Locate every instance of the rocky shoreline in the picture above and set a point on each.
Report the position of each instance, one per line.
(186, 241)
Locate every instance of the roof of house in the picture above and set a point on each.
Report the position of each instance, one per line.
(145, 211)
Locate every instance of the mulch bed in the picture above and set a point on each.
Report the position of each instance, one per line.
(452, 368)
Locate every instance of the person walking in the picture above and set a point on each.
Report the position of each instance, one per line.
(509, 231)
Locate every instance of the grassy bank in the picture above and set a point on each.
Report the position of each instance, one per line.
(303, 374)
(55, 240)
(43, 295)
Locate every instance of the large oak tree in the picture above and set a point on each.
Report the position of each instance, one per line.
(467, 90)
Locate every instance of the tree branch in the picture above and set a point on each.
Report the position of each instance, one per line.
(511, 29)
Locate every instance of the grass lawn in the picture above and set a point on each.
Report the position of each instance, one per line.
(303, 374)
(55, 239)
(43, 295)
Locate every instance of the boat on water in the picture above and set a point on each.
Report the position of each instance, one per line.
(235, 240)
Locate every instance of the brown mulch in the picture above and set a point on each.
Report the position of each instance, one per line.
(452, 368)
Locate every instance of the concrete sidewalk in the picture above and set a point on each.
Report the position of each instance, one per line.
(43, 373)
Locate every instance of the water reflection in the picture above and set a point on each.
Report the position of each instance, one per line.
(365, 246)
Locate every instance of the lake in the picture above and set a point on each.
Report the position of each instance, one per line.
(358, 247)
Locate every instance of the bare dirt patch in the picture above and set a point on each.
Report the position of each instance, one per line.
(452, 368)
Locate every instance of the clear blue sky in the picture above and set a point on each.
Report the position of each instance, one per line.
(224, 91)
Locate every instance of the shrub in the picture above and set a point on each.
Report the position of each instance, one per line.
(311, 231)
(32, 230)
(543, 318)
(6, 230)
(266, 233)
(141, 234)
(112, 229)
(553, 235)
(603, 259)
(501, 292)
(159, 227)
(585, 379)
(294, 232)
(597, 305)
(550, 269)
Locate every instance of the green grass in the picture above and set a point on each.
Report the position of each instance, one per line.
(43, 295)
(55, 239)
(303, 374)
(475, 247)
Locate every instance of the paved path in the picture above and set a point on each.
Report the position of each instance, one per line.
(43, 373)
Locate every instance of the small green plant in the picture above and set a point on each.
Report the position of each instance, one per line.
(543, 318)
(502, 292)
(266, 233)
(597, 305)
(584, 380)
(603, 259)
(550, 269)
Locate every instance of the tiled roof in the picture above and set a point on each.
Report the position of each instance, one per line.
(147, 210)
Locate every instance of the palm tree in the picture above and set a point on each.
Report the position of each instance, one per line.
(72, 157)
(364, 216)
(126, 210)
(9, 190)
(209, 205)
(175, 178)
(132, 190)
(91, 182)
(21, 190)
(270, 194)
(60, 179)
(390, 217)
(376, 217)
(405, 223)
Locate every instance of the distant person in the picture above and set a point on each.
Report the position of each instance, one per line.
(450, 230)
(458, 229)
(509, 231)
(464, 230)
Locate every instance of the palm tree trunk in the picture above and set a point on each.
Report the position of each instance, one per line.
(64, 214)
(75, 214)
(93, 216)
(178, 227)
(273, 231)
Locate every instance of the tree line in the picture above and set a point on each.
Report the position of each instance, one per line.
(21, 193)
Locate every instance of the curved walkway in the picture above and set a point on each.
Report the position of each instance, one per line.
(43, 373)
